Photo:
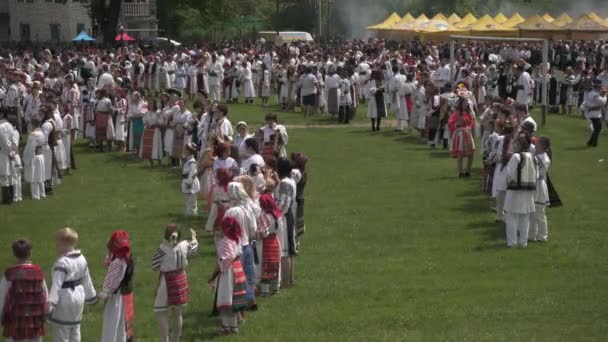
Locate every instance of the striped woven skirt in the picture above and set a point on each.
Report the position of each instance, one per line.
(269, 151)
(147, 143)
(177, 287)
(271, 260)
(240, 302)
(101, 126)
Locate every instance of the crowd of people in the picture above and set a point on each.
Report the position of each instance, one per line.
(140, 101)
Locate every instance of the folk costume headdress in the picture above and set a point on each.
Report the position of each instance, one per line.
(119, 246)
(231, 228)
(269, 205)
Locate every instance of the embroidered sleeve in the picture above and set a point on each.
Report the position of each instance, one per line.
(60, 272)
(116, 272)
(90, 294)
(157, 259)
(192, 247)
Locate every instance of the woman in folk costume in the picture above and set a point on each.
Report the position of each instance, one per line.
(246, 217)
(224, 160)
(71, 102)
(60, 154)
(171, 260)
(152, 139)
(265, 88)
(229, 278)
(180, 124)
(321, 98)
(332, 83)
(418, 115)
(181, 75)
(137, 109)
(190, 184)
(502, 156)
(104, 129)
(33, 161)
(282, 86)
(121, 104)
(285, 195)
(433, 116)
(119, 314)
(247, 83)
(170, 110)
(88, 101)
(299, 175)
(218, 203)
(68, 125)
(164, 79)
(462, 146)
(205, 172)
(191, 78)
(522, 175)
(376, 109)
(148, 75)
(273, 138)
(538, 219)
(271, 226)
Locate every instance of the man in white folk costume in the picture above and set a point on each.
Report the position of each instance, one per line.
(190, 183)
(216, 73)
(398, 98)
(6, 157)
(33, 161)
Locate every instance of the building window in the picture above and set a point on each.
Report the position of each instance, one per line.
(30, 1)
(55, 36)
(25, 32)
(79, 28)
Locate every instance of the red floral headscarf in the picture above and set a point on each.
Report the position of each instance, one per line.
(231, 228)
(269, 205)
(119, 245)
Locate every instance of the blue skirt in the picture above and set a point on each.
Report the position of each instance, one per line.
(247, 260)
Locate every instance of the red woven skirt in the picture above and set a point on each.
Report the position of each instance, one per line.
(129, 305)
(101, 126)
(240, 302)
(268, 151)
(147, 142)
(177, 287)
(271, 259)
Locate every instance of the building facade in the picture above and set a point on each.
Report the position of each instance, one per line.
(138, 18)
(44, 20)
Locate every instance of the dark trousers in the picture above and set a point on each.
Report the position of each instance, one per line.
(597, 128)
(344, 114)
(376, 124)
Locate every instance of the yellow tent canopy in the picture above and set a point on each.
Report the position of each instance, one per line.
(388, 22)
(537, 23)
(563, 20)
(595, 17)
(548, 17)
(439, 16)
(500, 18)
(468, 19)
(516, 19)
(585, 23)
(434, 26)
(407, 18)
(422, 17)
(487, 23)
(454, 19)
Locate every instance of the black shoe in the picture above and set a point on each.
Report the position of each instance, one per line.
(467, 175)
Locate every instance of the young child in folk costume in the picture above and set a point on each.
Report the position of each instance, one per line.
(462, 146)
(218, 203)
(119, 314)
(152, 138)
(271, 227)
(190, 183)
(171, 260)
(71, 288)
(285, 195)
(224, 160)
(538, 219)
(23, 297)
(522, 176)
(33, 161)
(229, 278)
(244, 214)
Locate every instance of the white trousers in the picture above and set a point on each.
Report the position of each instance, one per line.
(214, 93)
(191, 205)
(16, 182)
(62, 333)
(37, 190)
(500, 205)
(538, 224)
(517, 223)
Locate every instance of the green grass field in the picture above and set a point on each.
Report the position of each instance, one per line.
(397, 247)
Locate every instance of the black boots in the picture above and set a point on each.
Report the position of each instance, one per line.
(7, 195)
